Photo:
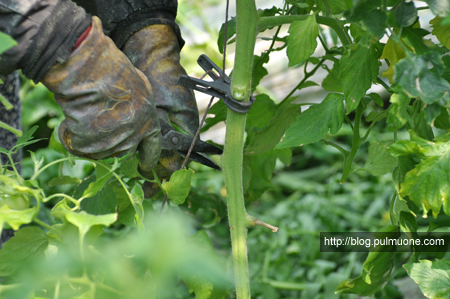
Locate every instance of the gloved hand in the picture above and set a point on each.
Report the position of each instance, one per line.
(155, 51)
(107, 102)
(146, 32)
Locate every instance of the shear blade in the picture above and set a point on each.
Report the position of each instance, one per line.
(202, 159)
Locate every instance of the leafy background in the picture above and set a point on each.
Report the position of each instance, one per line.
(121, 247)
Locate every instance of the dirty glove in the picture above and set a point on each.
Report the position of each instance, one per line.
(107, 102)
(145, 30)
(155, 51)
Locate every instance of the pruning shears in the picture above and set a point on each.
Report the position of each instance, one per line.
(174, 140)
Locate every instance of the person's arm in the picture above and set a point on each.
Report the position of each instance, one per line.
(46, 32)
(108, 103)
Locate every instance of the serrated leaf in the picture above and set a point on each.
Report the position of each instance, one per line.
(6, 42)
(394, 53)
(104, 202)
(313, 124)
(413, 75)
(268, 137)
(26, 136)
(63, 180)
(358, 67)
(15, 218)
(54, 142)
(27, 244)
(379, 160)
(231, 30)
(263, 109)
(397, 207)
(433, 278)
(442, 32)
(85, 221)
(37, 163)
(332, 81)
(259, 71)
(405, 14)
(427, 184)
(376, 270)
(398, 113)
(178, 187)
(302, 40)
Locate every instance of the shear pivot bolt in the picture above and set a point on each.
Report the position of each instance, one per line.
(175, 139)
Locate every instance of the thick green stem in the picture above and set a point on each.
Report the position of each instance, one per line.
(246, 21)
(237, 215)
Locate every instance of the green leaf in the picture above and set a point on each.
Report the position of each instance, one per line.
(257, 174)
(394, 53)
(442, 121)
(427, 184)
(219, 109)
(27, 244)
(102, 179)
(54, 142)
(398, 113)
(27, 136)
(6, 42)
(104, 202)
(313, 124)
(259, 71)
(368, 12)
(178, 187)
(413, 75)
(85, 221)
(379, 160)
(433, 278)
(263, 109)
(335, 6)
(302, 40)
(405, 14)
(397, 207)
(63, 180)
(129, 167)
(332, 81)
(439, 7)
(196, 283)
(442, 32)
(15, 218)
(358, 67)
(376, 270)
(405, 164)
(268, 137)
(231, 30)
(376, 98)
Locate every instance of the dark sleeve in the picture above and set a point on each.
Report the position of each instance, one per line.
(45, 30)
(122, 18)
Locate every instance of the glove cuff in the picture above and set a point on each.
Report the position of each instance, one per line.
(142, 19)
(55, 39)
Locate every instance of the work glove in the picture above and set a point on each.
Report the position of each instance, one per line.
(107, 102)
(155, 51)
(145, 30)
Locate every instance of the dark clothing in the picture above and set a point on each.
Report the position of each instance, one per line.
(45, 30)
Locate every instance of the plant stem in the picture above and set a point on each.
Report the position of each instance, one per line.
(356, 142)
(16, 132)
(246, 22)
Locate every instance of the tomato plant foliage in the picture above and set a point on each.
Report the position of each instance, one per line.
(85, 230)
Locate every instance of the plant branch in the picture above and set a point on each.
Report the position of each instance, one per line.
(356, 142)
(16, 132)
